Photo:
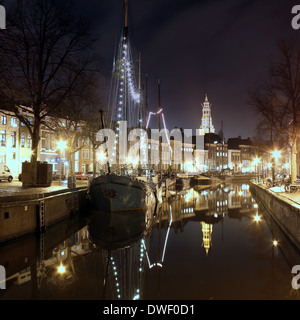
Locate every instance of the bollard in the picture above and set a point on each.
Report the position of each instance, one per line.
(71, 182)
(2, 278)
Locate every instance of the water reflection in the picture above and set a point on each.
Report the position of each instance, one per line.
(177, 250)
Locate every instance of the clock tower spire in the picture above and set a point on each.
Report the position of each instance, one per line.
(206, 121)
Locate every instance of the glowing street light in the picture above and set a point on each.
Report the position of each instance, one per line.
(276, 154)
(102, 156)
(255, 163)
(257, 218)
(61, 145)
(61, 269)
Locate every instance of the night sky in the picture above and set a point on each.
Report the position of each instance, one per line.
(220, 48)
(197, 47)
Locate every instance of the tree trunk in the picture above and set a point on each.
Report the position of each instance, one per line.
(294, 161)
(34, 156)
(94, 160)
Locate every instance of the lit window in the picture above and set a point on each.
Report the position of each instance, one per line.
(22, 140)
(3, 138)
(85, 154)
(29, 141)
(14, 122)
(3, 120)
(13, 139)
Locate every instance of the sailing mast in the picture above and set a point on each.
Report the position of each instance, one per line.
(126, 15)
(159, 127)
(140, 117)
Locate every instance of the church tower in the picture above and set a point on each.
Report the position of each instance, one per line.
(206, 122)
(207, 230)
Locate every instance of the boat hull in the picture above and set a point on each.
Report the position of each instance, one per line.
(113, 230)
(120, 193)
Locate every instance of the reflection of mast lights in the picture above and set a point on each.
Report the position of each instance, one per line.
(61, 269)
(257, 218)
(275, 243)
(160, 264)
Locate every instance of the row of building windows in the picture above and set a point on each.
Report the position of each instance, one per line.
(13, 121)
(13, 139)
(235, 158)
(219, 154)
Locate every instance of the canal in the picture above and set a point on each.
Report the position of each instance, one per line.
(200, 244)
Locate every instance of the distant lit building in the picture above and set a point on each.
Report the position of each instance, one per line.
(207, 230)
(217, 152)
(234, 160)
(206, 121)
(242, 154)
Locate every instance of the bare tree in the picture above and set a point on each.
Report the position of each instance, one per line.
(78, 120)
(278, 101)
(43, 52)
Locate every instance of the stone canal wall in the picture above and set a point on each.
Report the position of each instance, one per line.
(27, 214)
(284, 211)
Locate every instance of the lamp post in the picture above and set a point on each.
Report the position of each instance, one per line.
(269, 165)
(276, 155)
(255, 162)
(61, 145)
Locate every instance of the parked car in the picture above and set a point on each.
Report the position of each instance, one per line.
(5, 173)
(80, 176)
(55, 176)
(90, 174)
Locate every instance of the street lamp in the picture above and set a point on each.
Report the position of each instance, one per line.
(61, 269)
(276, 155)
(256, 162)
(61, 145)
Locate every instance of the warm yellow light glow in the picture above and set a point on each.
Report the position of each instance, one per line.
(61, 269)
(257, 218)
(256, 161)
(128, 160)
(101, 156)
(276, 154)
(189, 195)
(275, 243)
(61, 145)
(135, 162)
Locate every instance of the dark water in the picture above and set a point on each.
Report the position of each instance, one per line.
(201, 245)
